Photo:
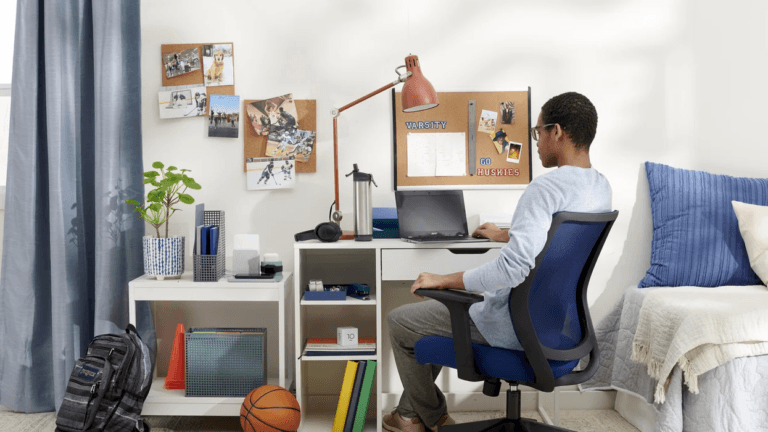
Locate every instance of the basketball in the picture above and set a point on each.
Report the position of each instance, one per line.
(270, 408)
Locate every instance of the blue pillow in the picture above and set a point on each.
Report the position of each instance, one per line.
(696, 238)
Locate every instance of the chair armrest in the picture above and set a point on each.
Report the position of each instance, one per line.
(458, 303)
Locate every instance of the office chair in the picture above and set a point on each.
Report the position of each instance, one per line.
(551, 319)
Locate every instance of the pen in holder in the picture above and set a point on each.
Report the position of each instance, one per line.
(210, 268)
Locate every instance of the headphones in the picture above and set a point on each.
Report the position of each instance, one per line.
(325, 232)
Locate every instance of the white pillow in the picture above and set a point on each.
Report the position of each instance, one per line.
(753, 224)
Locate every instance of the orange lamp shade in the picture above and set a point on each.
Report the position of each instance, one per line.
(418, 93)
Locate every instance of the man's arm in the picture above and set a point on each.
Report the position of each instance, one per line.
(433, 281)
(491, 231)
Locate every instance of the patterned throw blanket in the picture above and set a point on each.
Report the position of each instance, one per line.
(699, 329)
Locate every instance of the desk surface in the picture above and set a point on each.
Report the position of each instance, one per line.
(393, 244)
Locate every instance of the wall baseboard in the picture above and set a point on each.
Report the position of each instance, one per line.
(477, 401)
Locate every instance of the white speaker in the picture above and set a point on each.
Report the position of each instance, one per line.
(245, 258)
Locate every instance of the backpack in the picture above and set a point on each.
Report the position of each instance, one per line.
(107, 387)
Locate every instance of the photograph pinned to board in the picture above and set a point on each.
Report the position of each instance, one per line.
(273, 115)
(500, 141)
(182, 101)
(291, 142)
(513, 152)
(224, 115)
(181, 63)
(507, 113)
(218, 65)
(270, 173)
(437, 154)
(487, 121)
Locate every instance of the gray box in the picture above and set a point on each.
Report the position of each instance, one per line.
(224, 361)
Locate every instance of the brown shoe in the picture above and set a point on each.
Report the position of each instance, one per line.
(445, 420)
(393, 422)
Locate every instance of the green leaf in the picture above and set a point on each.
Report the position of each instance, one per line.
(151, 174)
(155, 183)
(186, 199)
(158, 165)
(155, 195)
(171, 168)
(190, 183)
(132, 202)
(185, 170)
(148, 181)
(156, 207)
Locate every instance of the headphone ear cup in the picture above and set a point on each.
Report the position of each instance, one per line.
(305, 235)
(328, 232)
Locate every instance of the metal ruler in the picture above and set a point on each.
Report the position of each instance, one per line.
(472, 137)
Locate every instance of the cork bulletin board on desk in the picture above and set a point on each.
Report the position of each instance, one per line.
(471, 140)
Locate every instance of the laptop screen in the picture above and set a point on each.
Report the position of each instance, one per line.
(430, 213)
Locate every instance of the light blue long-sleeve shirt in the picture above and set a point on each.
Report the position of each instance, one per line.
(567, 188)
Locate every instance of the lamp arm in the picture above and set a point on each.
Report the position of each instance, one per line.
(335, 112)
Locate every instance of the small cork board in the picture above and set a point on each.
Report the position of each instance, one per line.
(493, 170)
(255, 146)
(195, 77)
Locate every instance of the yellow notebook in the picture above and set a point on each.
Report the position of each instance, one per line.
(344, 396)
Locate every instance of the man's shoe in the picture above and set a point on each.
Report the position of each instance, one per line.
(393, 422)
(445, 420)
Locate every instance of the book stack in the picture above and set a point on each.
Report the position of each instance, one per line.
(355, 396)
(329, 347)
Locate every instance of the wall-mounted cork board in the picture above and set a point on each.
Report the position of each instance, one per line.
(255, 146)
(195, 77)
(502, 146)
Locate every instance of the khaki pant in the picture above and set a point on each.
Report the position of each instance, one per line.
(407, 324)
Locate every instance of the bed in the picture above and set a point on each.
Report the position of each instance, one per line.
(709, 260)
(731, 397)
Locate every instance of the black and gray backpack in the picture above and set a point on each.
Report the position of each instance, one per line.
(107, 388)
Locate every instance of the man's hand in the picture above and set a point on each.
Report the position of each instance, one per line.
(427, 280)
(491, 231)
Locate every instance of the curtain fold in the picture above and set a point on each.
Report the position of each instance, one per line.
(70, 244)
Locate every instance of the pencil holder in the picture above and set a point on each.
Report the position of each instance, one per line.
(210, 268)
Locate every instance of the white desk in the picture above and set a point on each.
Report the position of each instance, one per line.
(372, 263)
(173, 402)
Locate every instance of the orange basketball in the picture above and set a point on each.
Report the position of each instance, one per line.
(270, 408)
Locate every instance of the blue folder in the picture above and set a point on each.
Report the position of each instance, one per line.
(214, 243)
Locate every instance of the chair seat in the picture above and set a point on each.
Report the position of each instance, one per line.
(510, 365)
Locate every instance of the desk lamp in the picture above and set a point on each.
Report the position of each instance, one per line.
(418, 95)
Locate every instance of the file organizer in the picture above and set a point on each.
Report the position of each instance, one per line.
(210, 268)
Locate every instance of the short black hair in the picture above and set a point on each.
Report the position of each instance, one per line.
(575, 114)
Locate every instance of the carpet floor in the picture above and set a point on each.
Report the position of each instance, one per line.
(582, 421)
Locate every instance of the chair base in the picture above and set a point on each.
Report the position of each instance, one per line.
(503, 425)
(512, 422)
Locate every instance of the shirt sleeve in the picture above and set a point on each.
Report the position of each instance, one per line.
(527, 236)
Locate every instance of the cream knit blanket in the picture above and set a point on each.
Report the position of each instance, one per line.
(699, 329)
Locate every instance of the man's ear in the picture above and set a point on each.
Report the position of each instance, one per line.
(559, 132)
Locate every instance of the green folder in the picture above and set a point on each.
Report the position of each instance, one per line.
(365, 396)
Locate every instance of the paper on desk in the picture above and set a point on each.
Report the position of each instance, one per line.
(436, 154)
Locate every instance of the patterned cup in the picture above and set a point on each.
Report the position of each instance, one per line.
(163, 257)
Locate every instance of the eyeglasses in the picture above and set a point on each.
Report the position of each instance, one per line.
(535, 130)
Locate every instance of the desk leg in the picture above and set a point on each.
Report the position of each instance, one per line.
(131, 306)
(281, 339)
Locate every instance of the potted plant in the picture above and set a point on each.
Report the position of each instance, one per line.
(164, 256)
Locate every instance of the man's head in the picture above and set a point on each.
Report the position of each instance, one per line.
(566, 125)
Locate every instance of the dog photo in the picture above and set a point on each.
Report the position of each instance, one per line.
(273, 115)
(182, 101)
(487, 122)
(180, 63)
(270, 173)
(218, 65)
(223, 117)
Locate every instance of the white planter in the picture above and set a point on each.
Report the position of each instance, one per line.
(163, 257)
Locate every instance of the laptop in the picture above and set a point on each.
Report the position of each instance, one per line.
(432, 217)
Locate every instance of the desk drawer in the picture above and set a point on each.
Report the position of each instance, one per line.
(406, 264)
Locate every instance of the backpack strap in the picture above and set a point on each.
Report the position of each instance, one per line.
(131, 328)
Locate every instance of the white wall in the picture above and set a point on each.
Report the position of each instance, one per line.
(679, 82)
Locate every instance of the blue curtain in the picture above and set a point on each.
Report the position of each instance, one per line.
(70, 242)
